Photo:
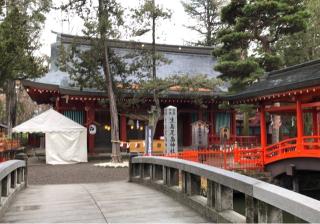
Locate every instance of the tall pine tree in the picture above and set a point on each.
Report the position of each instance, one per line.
(102, 19)
(305, 45)
(206, 16)
(248, 43)
(147, 15)
(20, 29)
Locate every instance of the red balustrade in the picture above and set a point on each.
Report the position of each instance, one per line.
(243, 141)
(235, 157)
(7, 148)
(227, 158)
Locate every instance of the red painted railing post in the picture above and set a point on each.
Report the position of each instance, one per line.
(299, 125)
(236, 153)
(263, 132)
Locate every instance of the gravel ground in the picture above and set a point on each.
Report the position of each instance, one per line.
(40, 173)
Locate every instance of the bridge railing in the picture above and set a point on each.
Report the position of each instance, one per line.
(243, 141)
(183, 179)
(13, 177)
(228, 158)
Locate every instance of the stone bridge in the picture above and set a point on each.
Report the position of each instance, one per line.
(160, 190)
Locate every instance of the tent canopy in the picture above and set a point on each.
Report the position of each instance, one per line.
(47, 122)
(66, 140)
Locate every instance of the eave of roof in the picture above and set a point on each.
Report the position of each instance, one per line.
(309, 80)
(97, 93)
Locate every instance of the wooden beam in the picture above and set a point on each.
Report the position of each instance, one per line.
(313, 104)
(281, 108)
(292, 107)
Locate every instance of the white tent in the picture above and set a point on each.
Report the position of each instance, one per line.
(66, 140)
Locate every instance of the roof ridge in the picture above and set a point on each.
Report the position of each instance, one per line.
(173, 47)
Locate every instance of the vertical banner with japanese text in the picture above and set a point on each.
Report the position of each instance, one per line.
(148, 140)
(170, 129)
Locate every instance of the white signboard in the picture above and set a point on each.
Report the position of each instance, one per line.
(148, 141)
(170, 129)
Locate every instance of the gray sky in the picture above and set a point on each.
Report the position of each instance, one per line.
(170, 32)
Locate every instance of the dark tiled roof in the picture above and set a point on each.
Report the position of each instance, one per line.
(291, 78)
(184, 60)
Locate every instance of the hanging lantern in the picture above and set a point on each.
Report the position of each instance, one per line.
(107, 127)
(130, 122)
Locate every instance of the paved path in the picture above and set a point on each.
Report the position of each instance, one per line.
(111, 202)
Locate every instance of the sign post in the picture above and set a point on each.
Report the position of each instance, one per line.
(170, 129)
(149, 140)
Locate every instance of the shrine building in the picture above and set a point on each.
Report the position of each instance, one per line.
(89, 106)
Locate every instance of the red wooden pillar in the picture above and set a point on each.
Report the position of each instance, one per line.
(263, 130)
(57, 104)
(90, 118)
(211, 128)
(123, 134)
(299, 125)
(315, 125)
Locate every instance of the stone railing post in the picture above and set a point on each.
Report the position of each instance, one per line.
(156, 172)
(269, 213)
(131, 166)
(275, 215)
(191, 184)
(164, 175)
(6, 185)
(172, 177)
(251, 211)
(210, 194)
(23, 156)
(223, 197)
(146, 171)
(19, 172)
(14, 179)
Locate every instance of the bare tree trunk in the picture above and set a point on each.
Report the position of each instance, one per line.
(156, 113)
(11, 105)
(103, 19)
(245, 131)
(116, 155)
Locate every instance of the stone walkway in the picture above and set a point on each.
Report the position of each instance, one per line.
(111, 202)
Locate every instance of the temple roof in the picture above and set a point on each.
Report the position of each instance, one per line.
(184, 60)
(291, 78)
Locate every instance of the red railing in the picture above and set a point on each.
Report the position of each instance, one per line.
(291, 148)
(279, 150)
(228, 158)
(6, 147)
(234, 157)
(243, 141)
